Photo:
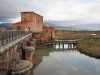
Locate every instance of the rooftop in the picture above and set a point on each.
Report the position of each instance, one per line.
(22, 22)
(31, 12)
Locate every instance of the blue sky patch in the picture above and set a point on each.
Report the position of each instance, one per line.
(87, 1)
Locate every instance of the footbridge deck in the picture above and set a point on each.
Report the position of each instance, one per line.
(66, 41)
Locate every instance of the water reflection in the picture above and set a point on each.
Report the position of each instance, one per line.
(68, 62)
(64, 46)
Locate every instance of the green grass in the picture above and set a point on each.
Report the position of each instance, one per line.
(93, 43)
(74, 35)
(59, 37)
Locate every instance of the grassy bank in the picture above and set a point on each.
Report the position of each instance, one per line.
(90, 47)
(75, 34)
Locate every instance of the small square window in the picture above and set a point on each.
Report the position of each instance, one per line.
(38, 21)
(25, 19)
(18, 28)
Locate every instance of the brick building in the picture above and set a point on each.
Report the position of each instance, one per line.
(31, 21)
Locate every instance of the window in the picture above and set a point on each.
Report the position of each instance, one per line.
(38, 21)
(18, 28)
(25, 19)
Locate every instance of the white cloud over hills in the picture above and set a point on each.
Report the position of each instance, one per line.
(71, 11)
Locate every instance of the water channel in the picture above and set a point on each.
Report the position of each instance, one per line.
(66, 61)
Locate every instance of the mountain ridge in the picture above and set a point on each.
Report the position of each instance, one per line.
(6, 25)
(87, 27)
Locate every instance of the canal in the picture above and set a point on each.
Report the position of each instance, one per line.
(65, 61)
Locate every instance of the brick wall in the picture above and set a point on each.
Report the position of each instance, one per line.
(50, 30)
(41, 38)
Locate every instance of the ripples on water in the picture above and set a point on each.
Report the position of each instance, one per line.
(67, 62)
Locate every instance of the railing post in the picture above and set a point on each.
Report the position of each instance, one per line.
(6, 37)
(2, 39)
(9, 36)
(12, 36)
(17, 35)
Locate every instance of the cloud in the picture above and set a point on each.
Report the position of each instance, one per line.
(10, 9)
(73, 11)
(7, 10)
(88, 12)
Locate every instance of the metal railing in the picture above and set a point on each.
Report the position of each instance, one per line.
(9, 36)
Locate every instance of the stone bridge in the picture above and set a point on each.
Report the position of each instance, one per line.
(17, 52)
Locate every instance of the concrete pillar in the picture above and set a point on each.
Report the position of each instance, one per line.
(68, 45)
(58, 45)
(30, 53)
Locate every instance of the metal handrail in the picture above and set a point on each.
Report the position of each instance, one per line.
(9, 36)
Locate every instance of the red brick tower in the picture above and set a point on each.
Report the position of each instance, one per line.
(30, 21)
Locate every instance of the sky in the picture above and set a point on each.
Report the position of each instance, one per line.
(66, 11)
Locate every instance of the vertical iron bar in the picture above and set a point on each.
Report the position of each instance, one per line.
(12, 36)
(6, 38)
(2, 40)
(9, 36)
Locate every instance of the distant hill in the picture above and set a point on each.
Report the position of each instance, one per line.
(61, 26)
(58, 27)
(93, 27)
(77, 27)
(6, 25)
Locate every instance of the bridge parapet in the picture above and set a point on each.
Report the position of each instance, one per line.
(6, 47)
(8, 36)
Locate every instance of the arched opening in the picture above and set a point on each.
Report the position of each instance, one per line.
(23, 53)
